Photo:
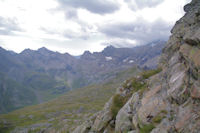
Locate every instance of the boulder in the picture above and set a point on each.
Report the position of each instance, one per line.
(124, 117)
(103, 118)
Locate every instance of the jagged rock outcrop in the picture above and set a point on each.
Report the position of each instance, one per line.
(161, 102)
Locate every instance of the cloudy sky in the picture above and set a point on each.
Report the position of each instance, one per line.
(74, 26)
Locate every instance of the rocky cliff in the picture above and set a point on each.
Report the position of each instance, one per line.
(165, 100)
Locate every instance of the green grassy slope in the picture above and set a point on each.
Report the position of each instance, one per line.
(36, 89)
(67, 111)
(14, 95)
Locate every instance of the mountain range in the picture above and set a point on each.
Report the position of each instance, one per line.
(139, 99)
(35, 76)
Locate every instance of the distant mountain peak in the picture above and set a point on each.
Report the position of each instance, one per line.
(43, 49)
(1, 48)
(109, 50)
(26, 51)
(87, 52)
(110, 47)
(9, 51)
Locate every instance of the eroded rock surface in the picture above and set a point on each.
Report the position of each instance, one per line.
(167, 102)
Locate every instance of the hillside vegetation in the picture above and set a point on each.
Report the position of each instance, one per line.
(66, 112)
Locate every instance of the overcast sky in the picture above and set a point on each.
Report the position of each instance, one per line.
(74, 26)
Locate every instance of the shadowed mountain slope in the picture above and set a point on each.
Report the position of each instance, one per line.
(45, 74)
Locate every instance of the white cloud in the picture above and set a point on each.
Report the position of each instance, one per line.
(75, 27)
(94, 6)
(140, 4)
